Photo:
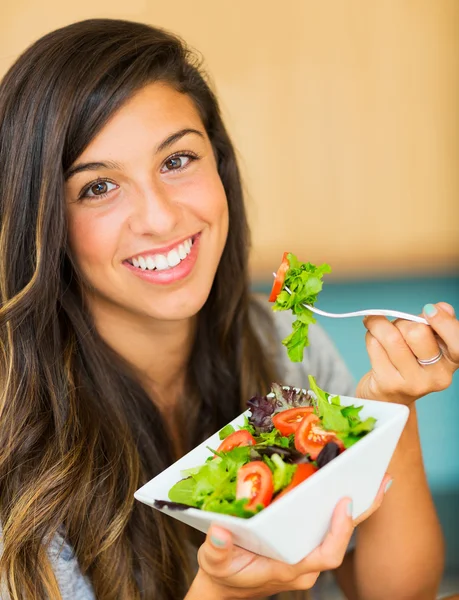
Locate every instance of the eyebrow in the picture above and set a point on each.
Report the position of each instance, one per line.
(94, 166)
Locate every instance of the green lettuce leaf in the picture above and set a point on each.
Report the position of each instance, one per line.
(235, 507)
(226, 431)
(247, 425)
(183, 492)
(345, 420)
(329, 412)
(282, 471)
(215, 480)
(363, 427)
(275, 438)
(305, 282)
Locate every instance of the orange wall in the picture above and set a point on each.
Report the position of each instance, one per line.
(345, 115)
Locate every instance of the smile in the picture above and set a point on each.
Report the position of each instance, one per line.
(162, 262)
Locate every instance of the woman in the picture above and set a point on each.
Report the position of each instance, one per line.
(128, 336)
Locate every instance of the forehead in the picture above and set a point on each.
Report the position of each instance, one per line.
(148, 117)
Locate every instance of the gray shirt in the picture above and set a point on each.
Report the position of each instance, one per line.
(321, 360)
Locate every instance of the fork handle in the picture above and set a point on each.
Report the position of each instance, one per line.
(370, 312)
(365, 313)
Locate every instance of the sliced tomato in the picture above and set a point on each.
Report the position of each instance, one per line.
(236, 439)
(311, 437)
(280, 278)
(255, 482)
(288, 421)
(303, 471)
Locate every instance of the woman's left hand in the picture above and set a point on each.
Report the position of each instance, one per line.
(395, 347)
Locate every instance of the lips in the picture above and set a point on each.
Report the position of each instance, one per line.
(166, 266)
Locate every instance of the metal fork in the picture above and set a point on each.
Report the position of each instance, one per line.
(362, 313)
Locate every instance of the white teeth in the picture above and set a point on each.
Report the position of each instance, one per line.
(173, 258)
(161, 262)
(150, 263)
(182, 252)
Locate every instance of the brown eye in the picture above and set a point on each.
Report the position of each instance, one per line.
(177, 162)
(173, 163)
(98, 189)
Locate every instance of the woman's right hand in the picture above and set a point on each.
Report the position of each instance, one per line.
(228, 572)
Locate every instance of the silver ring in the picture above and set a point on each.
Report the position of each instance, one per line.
(431, 361)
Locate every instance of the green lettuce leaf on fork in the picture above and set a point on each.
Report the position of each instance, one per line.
(305, 282)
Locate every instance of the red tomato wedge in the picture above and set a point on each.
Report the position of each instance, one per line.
(288, 421)
(236, 439)
(311, 437)
(303, 472)
(280, 278)
(255, 482)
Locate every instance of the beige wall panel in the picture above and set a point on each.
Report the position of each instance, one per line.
(345, 114)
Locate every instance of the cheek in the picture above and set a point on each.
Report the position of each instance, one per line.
(91, 240)
(210, 201)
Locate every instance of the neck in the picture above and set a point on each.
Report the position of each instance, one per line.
(158, 351)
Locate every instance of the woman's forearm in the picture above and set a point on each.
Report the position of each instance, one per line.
(400, 551)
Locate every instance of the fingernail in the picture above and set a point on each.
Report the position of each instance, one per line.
(350, 508)
(388, 484)
(430, 310)
(216, 541)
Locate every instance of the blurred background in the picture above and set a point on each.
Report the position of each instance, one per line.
(345, 115)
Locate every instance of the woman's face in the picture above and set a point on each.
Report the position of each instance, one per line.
(148, 215)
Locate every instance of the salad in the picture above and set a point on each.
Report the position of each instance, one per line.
(304, 280)
(289, 435)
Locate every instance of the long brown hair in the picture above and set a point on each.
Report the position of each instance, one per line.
(78, 433)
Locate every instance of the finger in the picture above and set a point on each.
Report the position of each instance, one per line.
(383, 488)
(420, 339)
(442, 319)
(426, 345)
(379, 358)
(382, 371)
(214, 556)
(305, 582)
(447, 308)
(394, 344)
(329, 555)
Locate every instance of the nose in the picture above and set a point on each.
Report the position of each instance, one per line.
(155, 211)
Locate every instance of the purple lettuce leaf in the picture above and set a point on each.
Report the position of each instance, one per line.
(262, 408)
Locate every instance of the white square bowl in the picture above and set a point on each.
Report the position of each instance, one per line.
(290, 528)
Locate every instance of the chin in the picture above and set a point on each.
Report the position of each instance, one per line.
(177, 307)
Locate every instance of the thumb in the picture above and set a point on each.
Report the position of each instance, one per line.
(214, 555)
